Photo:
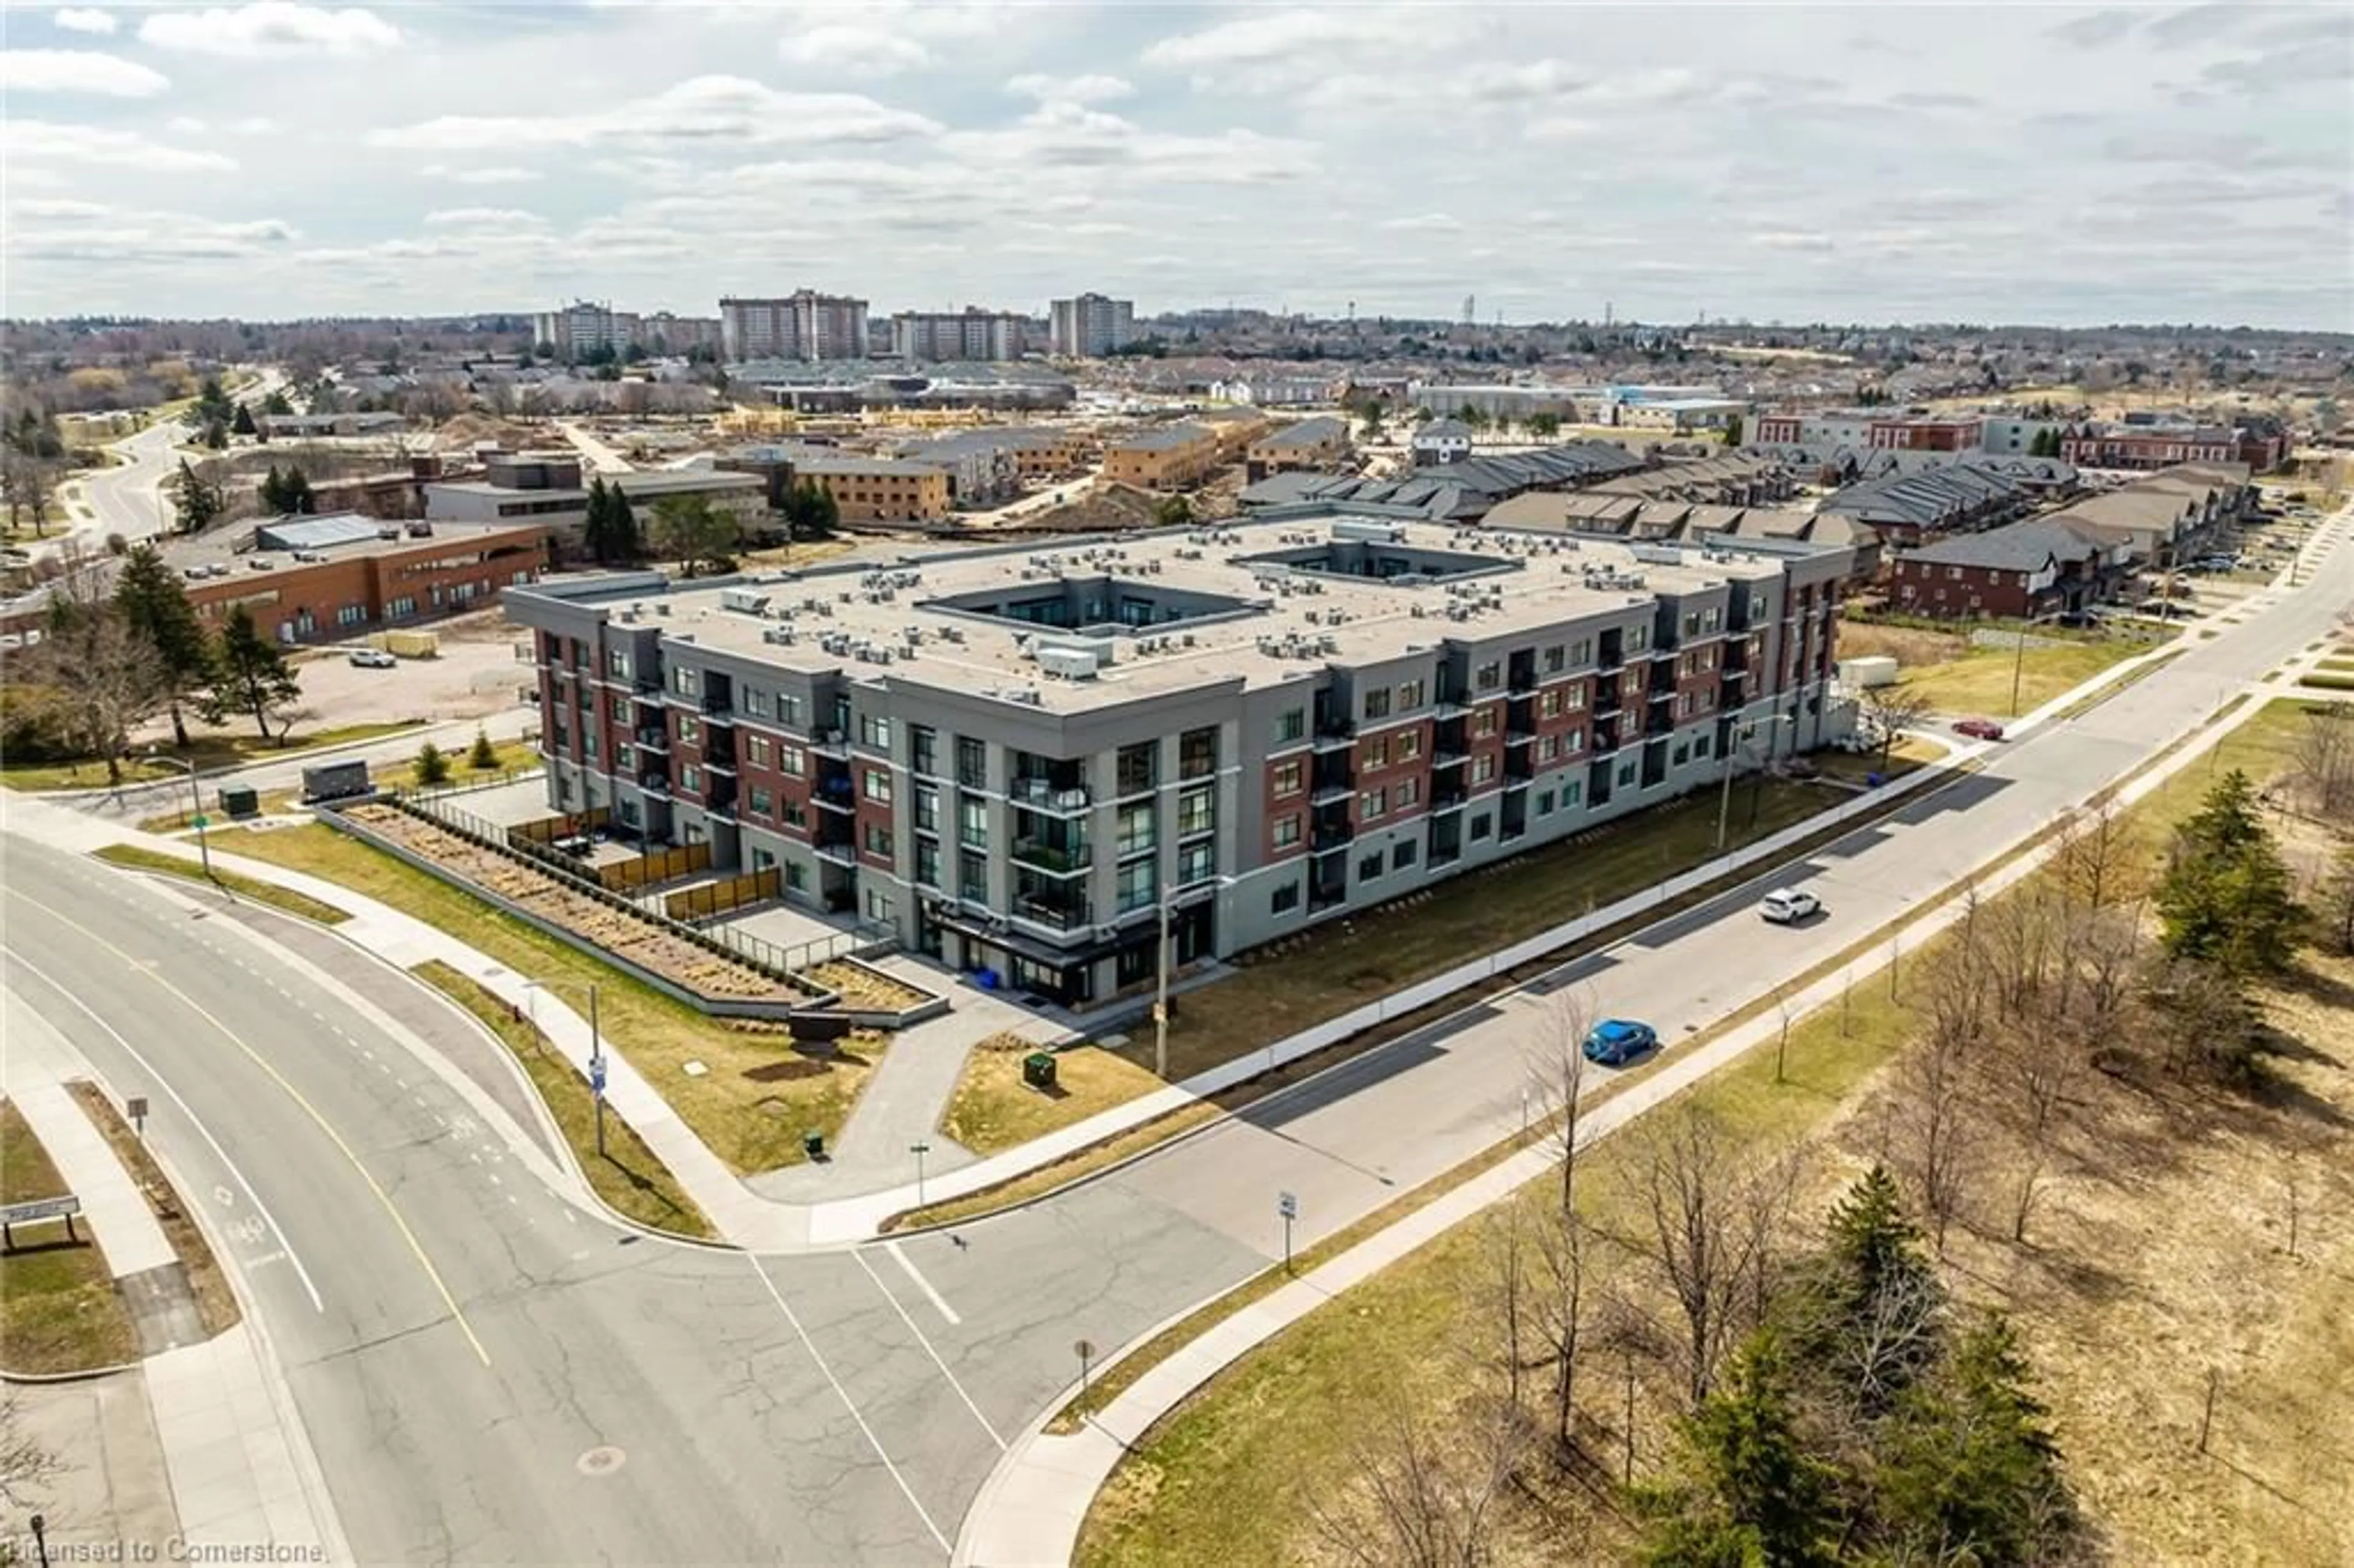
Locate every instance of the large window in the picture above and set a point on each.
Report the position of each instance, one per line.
(1291, 726)
(1139, 767)
(1138, 828)
(1196, 863)
(1197, 753)
(1197, 812)
(923, 747)
(1288, 777)
(1138, 884)
(1377, 702)
(972, 762)
(876, 787)
(1286, 831)
(760, 751)
(875, 732)
(972, 821)
(972, 877)
(927, 863)
(928, 808)
(792, 760)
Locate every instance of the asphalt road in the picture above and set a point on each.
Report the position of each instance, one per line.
(479, 1341)
(124, 499)
(465, 1345)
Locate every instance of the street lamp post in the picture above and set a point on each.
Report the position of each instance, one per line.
(195, 806)
(1160, 999)
(1741, 737)
(919, 1150)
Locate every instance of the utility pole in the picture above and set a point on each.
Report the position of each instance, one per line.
(919, 1150)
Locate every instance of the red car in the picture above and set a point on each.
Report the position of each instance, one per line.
(1979, 729)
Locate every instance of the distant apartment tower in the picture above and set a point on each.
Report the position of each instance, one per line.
(1091, 326)
(584, 327)
(805, 324)
(969, 333)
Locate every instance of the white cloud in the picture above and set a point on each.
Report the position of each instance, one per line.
(78, 71)
(254, 125)
(39, 140)
(461, 175)
(269, 29)
(84, 19)
(1791, 239)
(1426, 223)
(1269, 37)
(708, 111)
(848, 49)
(1070, 88)
(59, 210)
(479, 217)
(185, 125)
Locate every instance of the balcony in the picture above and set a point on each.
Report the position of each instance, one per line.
(1055, 859)
(1334, 735)
(1065, 796)
(654, 782)
(654, 737)
(1335, 836)
(1608, 699)
(830, 743)
(1069, 911)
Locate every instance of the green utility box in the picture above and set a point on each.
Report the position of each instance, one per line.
(814, 1144)
(241, 803)
(1038, 1069)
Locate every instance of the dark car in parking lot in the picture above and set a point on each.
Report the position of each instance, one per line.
(1615, 1042)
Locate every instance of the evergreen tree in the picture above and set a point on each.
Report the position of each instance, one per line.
(431, 767)
(197, 505)
(297, 492)
(594, 522)
(250, 675)
(242, 423)
(629, 541)
(273, 492)
(482, 755)
(276, 403)
(1751, 1492)
(1969, 1472)
(1732, 428)
(155, 605)
(1872, 1245)
(2226, 898)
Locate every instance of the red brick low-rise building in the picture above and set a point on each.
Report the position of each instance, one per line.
(2039, 566)
(2164, 446)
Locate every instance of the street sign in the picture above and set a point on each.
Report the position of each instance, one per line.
(1287, 1205)
(135, 1108)
(202, 820)
(14, 1214)
(40, 1209)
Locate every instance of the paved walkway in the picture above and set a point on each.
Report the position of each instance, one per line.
(238, 1463)
(1030, 1510)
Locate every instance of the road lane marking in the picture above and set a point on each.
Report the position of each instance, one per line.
(908, 1263)
(844, 1395)
(309, 1287)
(920, 1339)
(400, 1222)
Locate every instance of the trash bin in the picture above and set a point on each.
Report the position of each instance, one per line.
(1038, 1069)
(814, 1144)
(241, 803)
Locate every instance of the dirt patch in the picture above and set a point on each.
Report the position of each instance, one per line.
(1910, 647)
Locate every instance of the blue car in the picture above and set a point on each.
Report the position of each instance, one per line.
(1615, 1042)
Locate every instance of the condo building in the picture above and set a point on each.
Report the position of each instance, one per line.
(801, 325)
(1016, 757)
(1090, 326)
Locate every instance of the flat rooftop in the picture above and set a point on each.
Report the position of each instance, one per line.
(1253, 605)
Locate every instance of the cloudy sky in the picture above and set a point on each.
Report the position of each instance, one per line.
(1883, 162)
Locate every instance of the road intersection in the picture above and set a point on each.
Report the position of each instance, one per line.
(492, 1370)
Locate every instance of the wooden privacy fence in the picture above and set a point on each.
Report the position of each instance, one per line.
(547, 830)
(659, 866)
(721, 897)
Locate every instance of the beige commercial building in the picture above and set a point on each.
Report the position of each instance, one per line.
(878, 489)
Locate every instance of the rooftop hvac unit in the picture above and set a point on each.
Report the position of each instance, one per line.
(781, 635)
(744, 601)
(1068, 664)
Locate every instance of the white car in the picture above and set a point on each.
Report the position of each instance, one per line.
(1788, 906)
(373, 659)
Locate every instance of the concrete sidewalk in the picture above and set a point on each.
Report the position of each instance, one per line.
(239, 1467)
(1030, 1510)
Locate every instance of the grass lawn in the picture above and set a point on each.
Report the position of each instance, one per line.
(1978, 681)
(1221, 1478)
(757, 1095)
(627, 1175)
(62, 1315)
(207, 752)
(216, 1305)
(141, 858)
(993, 1109)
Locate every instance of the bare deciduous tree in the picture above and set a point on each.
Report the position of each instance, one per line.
(2323, 764)
(2093, 859)
(1706, 1220)
(1564, 1245)
(1894, 708)
(1421, 1494)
